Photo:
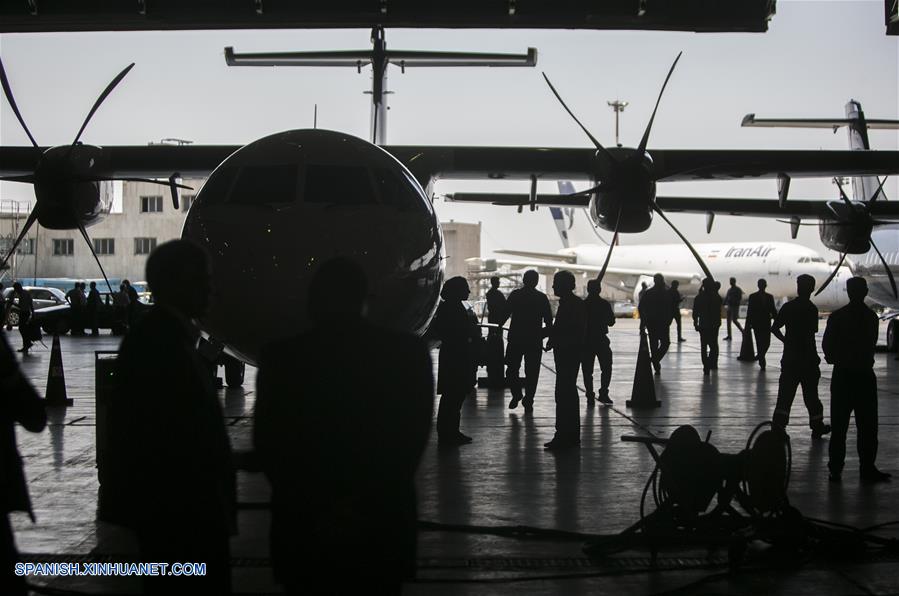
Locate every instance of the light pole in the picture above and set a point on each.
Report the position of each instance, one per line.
(618, 106)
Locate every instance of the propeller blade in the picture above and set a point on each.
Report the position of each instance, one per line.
(12, 103)
(32, 217)
(602, 272)
(173, 186)
(100, 99)
(685, 241)
(833, 274)
(887, 267)
(596, 143)
(130, 179)
(842, 192)
(90, 245)
(807, 223)
(645, 139)
(589, 191)
(27, 178)
(879, 188)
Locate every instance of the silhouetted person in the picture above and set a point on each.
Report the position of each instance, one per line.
(676, 300)
(707, 321)
(760, 311)
(170, 450)
(531, 320)
(643, 287)
(122, 305)
(18, 403)
(596, 343)
(849, 341)
(496, 312)
(457, 365)
(342, 417)
(655, 316)
(566, 340)
(76, 299)
(799, 364)
(92, 308)
(732, 301)
(26, 311)
(133, 307)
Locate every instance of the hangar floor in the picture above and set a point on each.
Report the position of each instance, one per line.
(505, 478)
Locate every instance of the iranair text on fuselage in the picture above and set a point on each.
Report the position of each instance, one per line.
(762, 250)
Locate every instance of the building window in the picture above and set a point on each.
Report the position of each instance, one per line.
(144, 246)
(104, 246)
(187, 201)
(151, 204)
(63, 247)
(26, 247)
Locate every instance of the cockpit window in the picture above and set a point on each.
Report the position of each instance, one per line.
(338, 185)
(265, 184)
(803, 260)
(817, 260)
(397, 190)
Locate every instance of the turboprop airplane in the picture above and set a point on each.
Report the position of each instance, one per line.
(274, 209)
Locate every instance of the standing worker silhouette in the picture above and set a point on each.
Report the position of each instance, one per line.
(655, 316)
(732, 301)
(760, 311)
(342, 416)
(596, 343)
(18, 403)
(531, 321)
(676, 300)
(496, 312)
(849, 341)
(26, 311)
(459, 337)
(799, 364)
(566, 340)
(93, 307)
(169, 447)
(707, 321)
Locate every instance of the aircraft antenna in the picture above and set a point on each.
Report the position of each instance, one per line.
(315, 116)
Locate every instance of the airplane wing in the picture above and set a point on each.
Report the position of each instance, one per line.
(625, 277)
(139, 160)
(492, 163)
(548, 256)
(670, 165)
(803, 209)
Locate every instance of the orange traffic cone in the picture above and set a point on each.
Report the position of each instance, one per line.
(747, 349)
(643, 393)
(56, 378)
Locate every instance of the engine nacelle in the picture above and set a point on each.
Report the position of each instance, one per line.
(850, 229)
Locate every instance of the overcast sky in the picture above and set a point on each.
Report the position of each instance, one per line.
(814, 58)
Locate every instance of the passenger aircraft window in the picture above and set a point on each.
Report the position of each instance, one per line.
(264, 184)
(338, 185)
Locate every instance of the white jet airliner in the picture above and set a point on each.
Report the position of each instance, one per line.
(779, 263)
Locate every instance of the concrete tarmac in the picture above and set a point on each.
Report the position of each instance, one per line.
(471, 496)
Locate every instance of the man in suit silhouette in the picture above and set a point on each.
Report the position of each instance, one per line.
(342, 417)
(531, 321)
(759, 313)
(849, 341)
(172, 456)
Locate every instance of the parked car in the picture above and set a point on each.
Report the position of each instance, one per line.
(53, 313)
(43, 298)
